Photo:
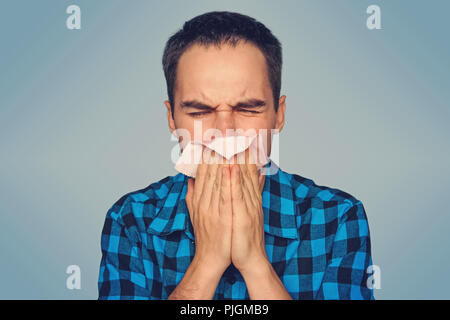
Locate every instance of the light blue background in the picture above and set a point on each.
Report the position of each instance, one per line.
(81, 115)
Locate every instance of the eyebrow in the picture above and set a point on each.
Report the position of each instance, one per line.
(248, 103)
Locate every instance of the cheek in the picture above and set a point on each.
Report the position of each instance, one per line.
(185, 130)
(264, 141)
(263, 126)
(195, 129)
(256, 123)
(268, 146)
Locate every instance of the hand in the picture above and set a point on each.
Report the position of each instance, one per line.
(247, 244)
(209, 203)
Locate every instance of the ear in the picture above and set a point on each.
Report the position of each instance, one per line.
(170, 119)
(279, 118)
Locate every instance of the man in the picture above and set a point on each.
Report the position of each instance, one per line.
(232, 233)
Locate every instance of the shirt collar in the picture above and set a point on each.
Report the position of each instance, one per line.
(278, 205)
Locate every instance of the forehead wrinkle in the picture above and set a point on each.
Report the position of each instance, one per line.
(242, 97)
(207, 100)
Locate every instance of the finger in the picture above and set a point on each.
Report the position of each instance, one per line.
(247, 188)
(210, 179)
(253, 172)
(251, 175)
(237, 195)
(215, 198)
(225, 191)
(200, 176)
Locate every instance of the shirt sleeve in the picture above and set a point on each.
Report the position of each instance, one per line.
(122, 274)
(346, 273)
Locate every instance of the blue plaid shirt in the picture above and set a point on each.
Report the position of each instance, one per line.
(317, 240)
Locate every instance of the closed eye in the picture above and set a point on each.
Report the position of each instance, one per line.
(202, 113)
(198, 114)
(248, 111)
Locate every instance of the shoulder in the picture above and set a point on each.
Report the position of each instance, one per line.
(138, 207)
(331, 202)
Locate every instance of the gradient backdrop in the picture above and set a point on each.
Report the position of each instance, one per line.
(82, 122)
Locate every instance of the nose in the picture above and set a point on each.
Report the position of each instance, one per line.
(225, 122)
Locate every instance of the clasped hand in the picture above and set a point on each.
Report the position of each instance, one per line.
(225, 207)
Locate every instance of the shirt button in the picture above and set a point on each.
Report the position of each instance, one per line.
(232, 280)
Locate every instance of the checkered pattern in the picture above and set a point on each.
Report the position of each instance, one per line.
(317, 240)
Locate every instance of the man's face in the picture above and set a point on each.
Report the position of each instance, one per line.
(224, 88)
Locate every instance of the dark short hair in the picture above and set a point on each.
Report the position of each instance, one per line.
(218, 27)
